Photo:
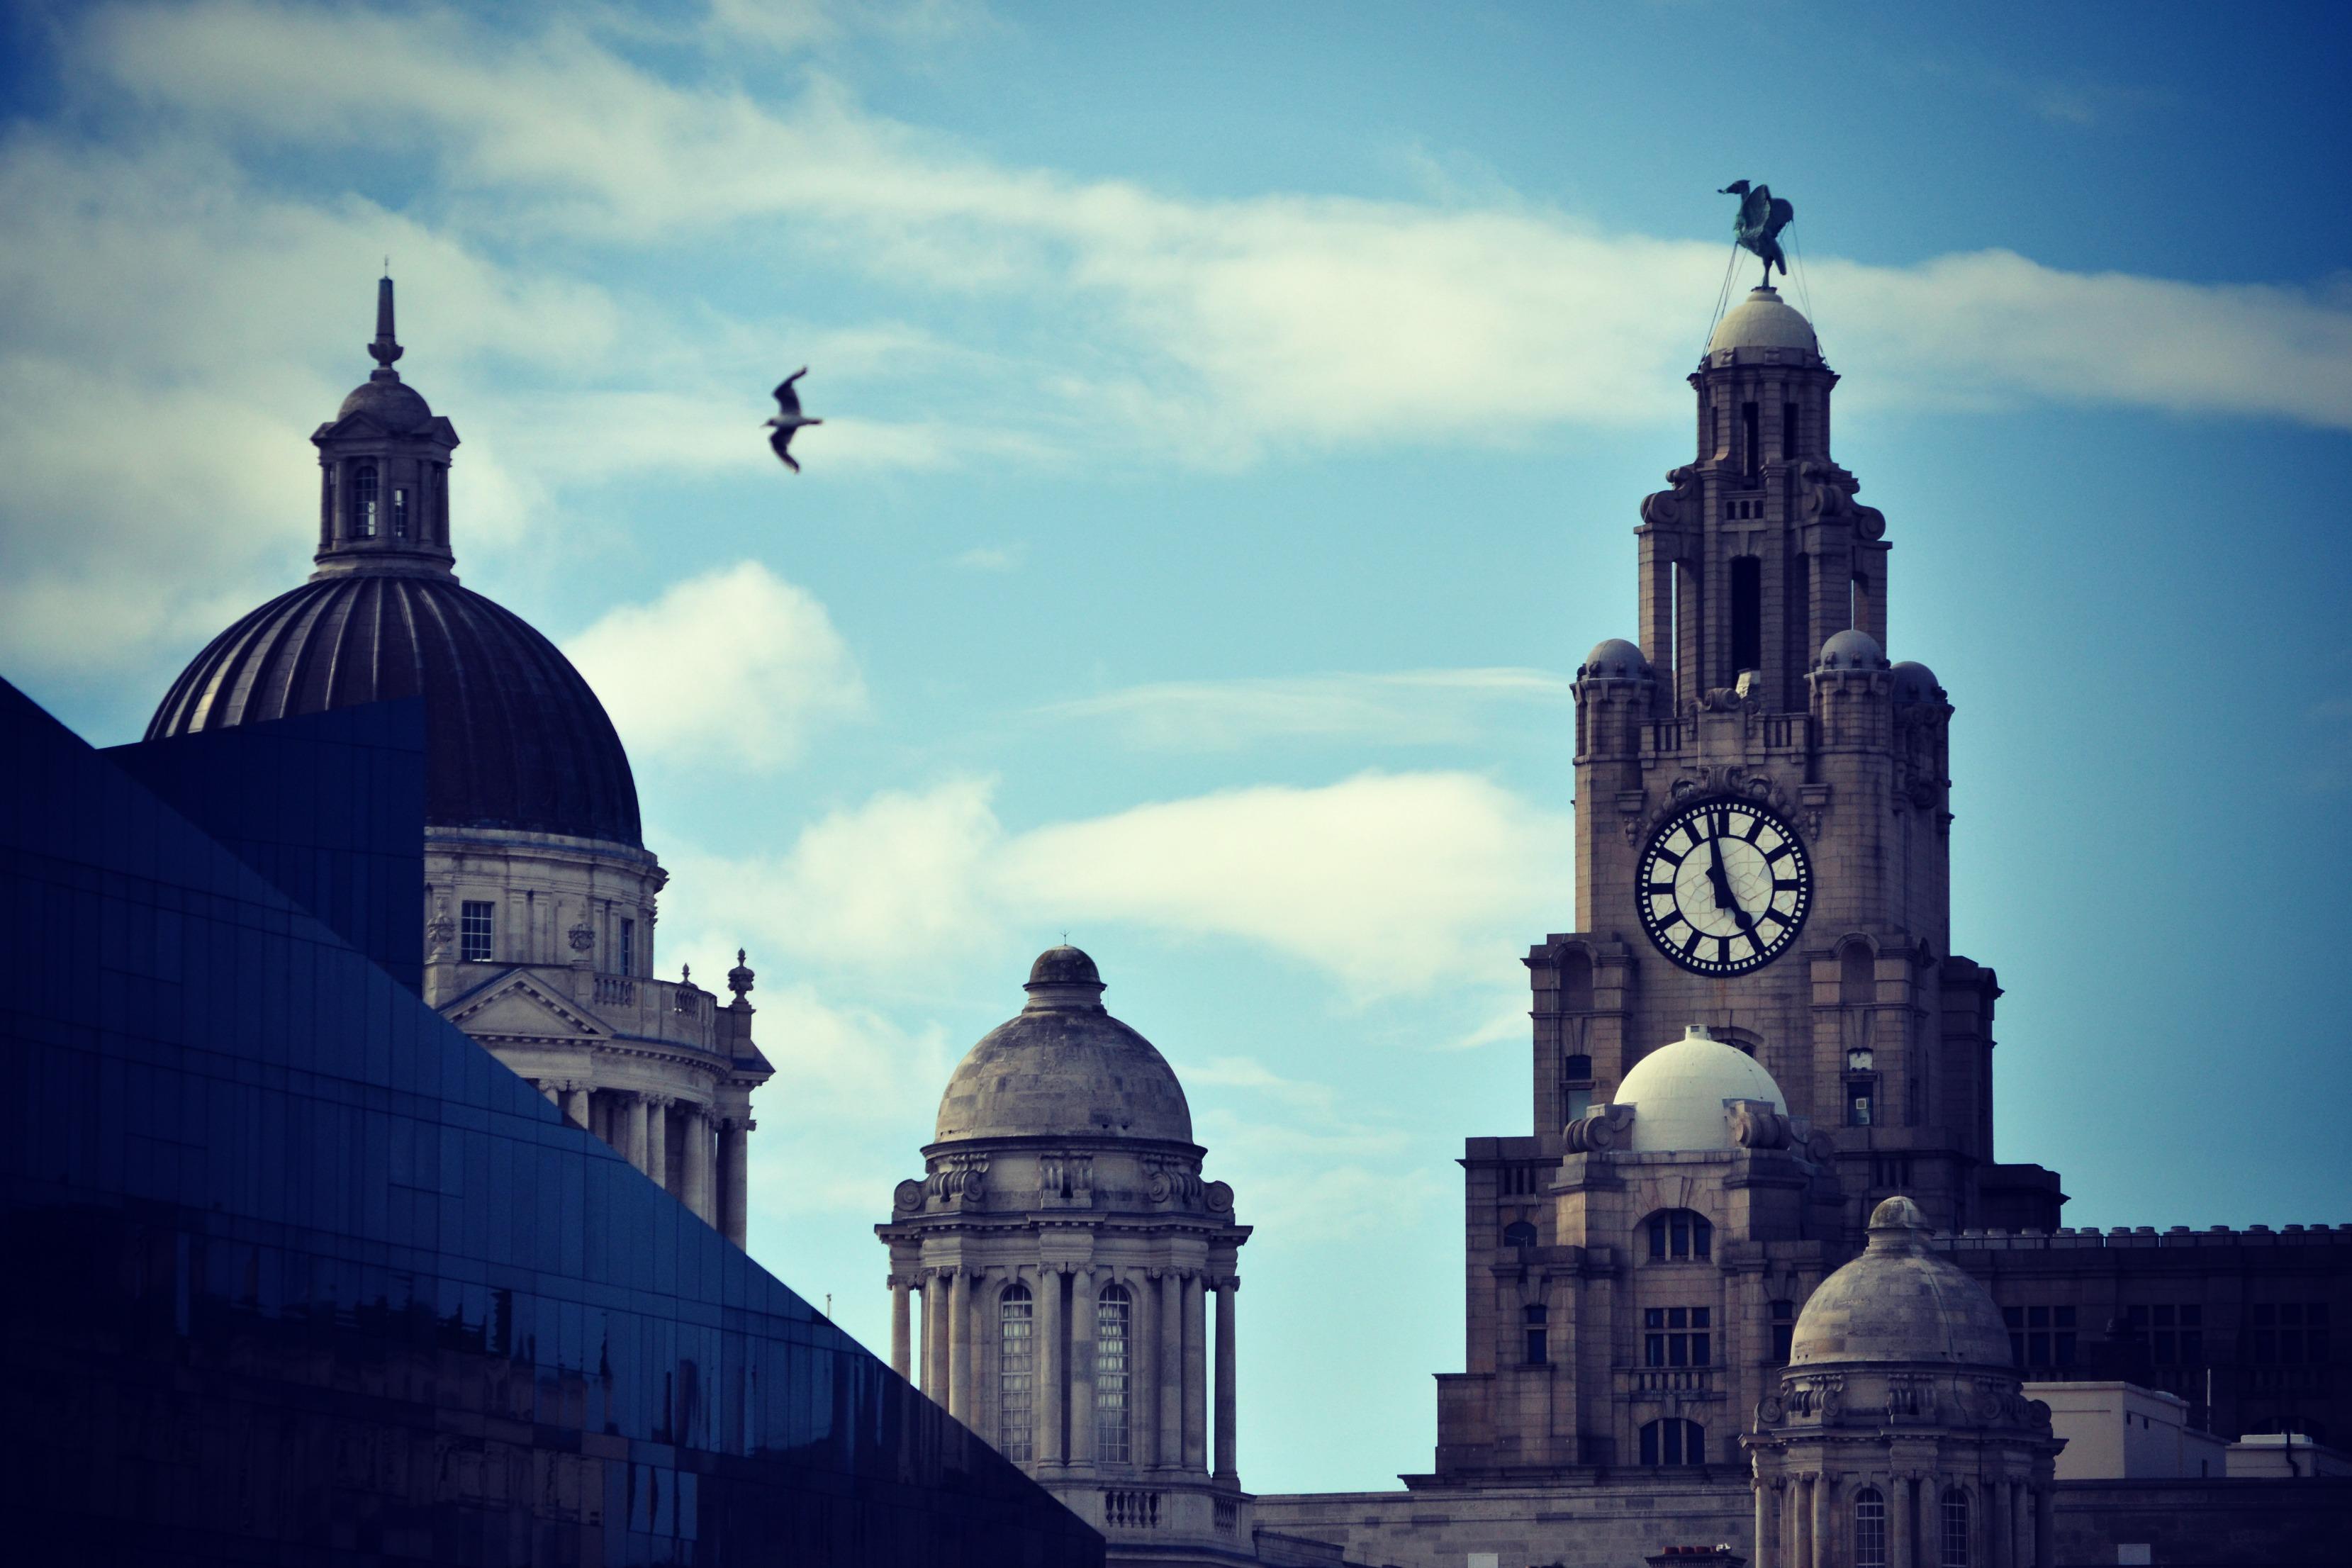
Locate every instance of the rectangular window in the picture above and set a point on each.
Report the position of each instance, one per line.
(1747, 613)
(628, 947)
(1676, 1336)
(1750, 450)
(2041, 1336)
(400, 512)
(1537, 1335)
(1015, 1394)
(477, 926)
(1788, 430)
(1858, 1104)
(1110, 1376)
(1784, 1328)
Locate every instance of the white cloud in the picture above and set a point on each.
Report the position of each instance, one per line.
(1405, 708)
(735, 666)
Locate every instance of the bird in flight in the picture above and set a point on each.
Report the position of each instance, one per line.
(789, 418)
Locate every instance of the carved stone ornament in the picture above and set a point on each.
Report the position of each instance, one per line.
(1218, 1197)
(1672, 508)
(1070, 1176)
(1734, 779)
(1172, 1181)
(958, 1178)
(1754, 1125)
(438, 931)
(1820, 1147)
(1770, 1411)
(908, 1197)
(582, 937)
(1604, 1127)
(1825, 494)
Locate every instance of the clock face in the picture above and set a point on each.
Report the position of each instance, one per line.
(1723, 887)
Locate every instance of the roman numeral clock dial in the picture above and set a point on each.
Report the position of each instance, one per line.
(1723, 887)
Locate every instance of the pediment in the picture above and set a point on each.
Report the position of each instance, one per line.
(520, 1007)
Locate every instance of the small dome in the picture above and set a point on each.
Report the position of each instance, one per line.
(1614, 659)
(1064, 1068)
(513, 737)
(1852, 650)
(1914, 682)
(1678, 1090)
(389, 401)
(1764, 321)
(1899, 1302)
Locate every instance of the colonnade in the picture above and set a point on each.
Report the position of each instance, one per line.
(1807, 1519)
(1164, 1405)
(656, 1132)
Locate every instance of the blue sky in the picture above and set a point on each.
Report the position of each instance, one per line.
(1235, 427)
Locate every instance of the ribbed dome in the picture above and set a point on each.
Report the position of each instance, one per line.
(514, 737)
(1064, 1068)
(1678, 1090)
(1899, 1302)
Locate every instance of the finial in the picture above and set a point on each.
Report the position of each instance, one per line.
(686, 975)
(739, 979)
(385, 349)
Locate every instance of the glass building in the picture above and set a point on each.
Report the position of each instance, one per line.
(299, 1273)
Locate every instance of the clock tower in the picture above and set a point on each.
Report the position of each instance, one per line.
(1762, 820)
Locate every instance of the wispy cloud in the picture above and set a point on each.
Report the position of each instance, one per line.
(1417, 707)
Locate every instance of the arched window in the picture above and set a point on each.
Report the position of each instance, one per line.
(1952, 1530)
(1673, 1441)
(1112, 1312)
(364, 502)
(1857, 975)
(1518, 1233)
(1014, 1383)
(1678, 1235)
(1870, 1528)
(1575, 982)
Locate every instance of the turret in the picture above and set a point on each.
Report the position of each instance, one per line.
(383, 461)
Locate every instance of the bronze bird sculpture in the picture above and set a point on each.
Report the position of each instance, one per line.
(1762, 217)
(789, 418)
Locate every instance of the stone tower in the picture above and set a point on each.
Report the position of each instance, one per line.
(1900, 1436)
(1762, 817)
(1065, 1249)
(540, 896)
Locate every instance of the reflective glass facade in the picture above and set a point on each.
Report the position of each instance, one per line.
(298, 1273)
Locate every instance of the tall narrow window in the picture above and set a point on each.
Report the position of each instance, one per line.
(1747, 614)
(1750, 443)
(1534, 1320)
(1575, 982)
(1110, 1376)
(364, 502)
(1784, 1329)
(628, 947)
(1673, 1441)
(478, 929)
(1014, 1396)
(400, 512)
(1575, 1085)
(1869, 1528)
(1952, 1530)
(1788, 430)
(1861, 1103)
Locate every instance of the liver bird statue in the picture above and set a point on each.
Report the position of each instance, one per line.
(1762, 217)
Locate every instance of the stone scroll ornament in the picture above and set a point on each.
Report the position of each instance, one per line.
(1600, 1129)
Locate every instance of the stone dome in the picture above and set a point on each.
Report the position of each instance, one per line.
(1613, 660)
(389, 401)
(514, 737)
(1764, 321)
(1678, 1093)
(1900, 1303)
(1852, 649)
(1064, 1068)
(1914, 682)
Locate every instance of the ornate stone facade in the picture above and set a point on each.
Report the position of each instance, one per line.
(540, 897)
(1065, 1251)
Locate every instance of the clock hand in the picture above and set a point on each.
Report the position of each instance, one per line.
(1725, 899)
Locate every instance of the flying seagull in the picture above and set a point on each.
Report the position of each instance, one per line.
(789, 418)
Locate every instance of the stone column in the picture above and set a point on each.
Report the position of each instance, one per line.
(1817, 1538)
(985, 1343)
(1082, 1366)
(735, 1193)
(657, 1140)
(1052, 1395)
(1765, 1556)
(1144, 1372)
(2021, 1510)
(1898, 1523)
(1196, 1374)
(1999, 1538)
(935, 1336)
(1172, 1367)
(959, 1321)
(632, 1140)
(1226, 1384)
(900, 1329)
(575, 1105)
(2045, 1524)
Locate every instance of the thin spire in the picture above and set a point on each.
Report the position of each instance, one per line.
(386, 348)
